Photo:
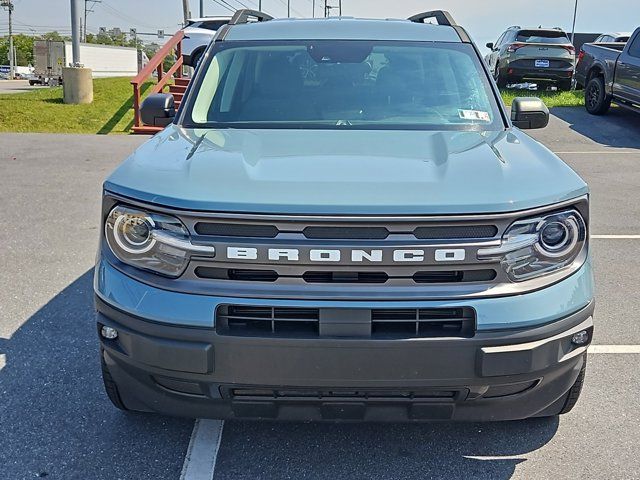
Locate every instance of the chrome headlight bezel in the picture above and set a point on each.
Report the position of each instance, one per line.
(150, 241)
(525, 254)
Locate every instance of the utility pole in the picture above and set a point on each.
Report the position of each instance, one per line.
(201, 8)
(326, 8)
(313, 14)
(573, 29)
(288, 8)
(185, 11)
(340, 7)
(12, 58)
(260, 5)
(75, 31)
(88, 10)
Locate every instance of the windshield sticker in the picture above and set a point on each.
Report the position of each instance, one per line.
(474, 115)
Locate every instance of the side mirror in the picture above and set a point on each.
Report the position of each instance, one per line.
(529, 113)
(158, 110)
(490, 45)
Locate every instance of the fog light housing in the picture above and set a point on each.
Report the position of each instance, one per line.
(580, 338)
(108, 333)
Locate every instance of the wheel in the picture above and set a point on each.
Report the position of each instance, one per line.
(564, 85)
(574, 393)
(596, 100)
(501, 81)
(196, 57)
(110, 385)
(32, 83)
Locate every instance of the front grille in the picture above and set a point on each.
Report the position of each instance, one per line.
(347, 232)
(346, 276)
(385, 323)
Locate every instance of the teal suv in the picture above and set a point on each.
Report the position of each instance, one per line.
(342, 222)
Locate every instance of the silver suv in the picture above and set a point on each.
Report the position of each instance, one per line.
(532, 54)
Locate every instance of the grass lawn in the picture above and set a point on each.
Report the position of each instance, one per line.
(551, 99)
(42, 110)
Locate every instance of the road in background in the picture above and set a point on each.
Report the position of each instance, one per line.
(17, 86)
(57, 422)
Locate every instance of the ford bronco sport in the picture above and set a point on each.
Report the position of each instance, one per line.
(342, 222)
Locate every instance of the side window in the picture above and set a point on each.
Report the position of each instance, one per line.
(607, 38)
(500, 39)
(634, 47)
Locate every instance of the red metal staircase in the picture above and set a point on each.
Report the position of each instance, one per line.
(177, 88)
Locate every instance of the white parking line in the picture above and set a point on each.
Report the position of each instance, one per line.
(200, 461)
(614, 349)
(617, 237)
(3, 360)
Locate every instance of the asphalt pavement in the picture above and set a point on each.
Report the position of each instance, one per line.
(56, 422)
(17, 86)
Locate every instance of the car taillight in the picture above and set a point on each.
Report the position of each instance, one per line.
(515, 46)
(570, 48)
(581, 55)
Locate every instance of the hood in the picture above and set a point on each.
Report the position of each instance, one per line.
(345, 172)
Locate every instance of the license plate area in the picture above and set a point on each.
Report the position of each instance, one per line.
(542, 63)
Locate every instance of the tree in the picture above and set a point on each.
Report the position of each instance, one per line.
(23, 45)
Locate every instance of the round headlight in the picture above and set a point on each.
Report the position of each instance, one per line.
(558, 236)
(132, 232)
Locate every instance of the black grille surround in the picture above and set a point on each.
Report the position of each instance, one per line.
(376, 323)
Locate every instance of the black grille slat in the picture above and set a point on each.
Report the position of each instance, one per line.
(345, 277)
(236, 230)
(453, 232)
(346, 233)
(423, 323)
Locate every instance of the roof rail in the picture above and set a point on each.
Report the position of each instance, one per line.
(442, 17)
(247, 15)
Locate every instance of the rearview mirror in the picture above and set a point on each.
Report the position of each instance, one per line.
(158, 110)
(490, 45)
(529, 113)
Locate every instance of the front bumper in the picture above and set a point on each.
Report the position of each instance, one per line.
(495, 375)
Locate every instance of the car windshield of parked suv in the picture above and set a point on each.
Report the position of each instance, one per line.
(344, 84)
(541, 36)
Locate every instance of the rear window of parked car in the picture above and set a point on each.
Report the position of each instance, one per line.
(542, 36)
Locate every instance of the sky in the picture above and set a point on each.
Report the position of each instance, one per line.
(484, 19)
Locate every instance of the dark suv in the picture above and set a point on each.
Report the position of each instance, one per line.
(538, 55)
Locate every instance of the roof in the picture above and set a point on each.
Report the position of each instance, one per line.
(342, 28)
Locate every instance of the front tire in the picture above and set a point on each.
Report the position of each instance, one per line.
(500, 80)
(110, 386)
(596, 100)
(574, 393)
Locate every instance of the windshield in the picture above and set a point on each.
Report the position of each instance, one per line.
(541, 36)
(342, 84)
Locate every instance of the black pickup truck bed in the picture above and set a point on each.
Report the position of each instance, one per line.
(610, 72)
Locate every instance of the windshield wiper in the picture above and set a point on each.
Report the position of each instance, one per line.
(343, 123)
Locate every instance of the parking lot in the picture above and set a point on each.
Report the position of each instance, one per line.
(56, 422)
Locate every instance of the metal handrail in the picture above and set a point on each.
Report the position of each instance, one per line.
(156, 63)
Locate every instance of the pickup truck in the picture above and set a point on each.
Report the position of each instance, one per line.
(610, 73)
(342, 222)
